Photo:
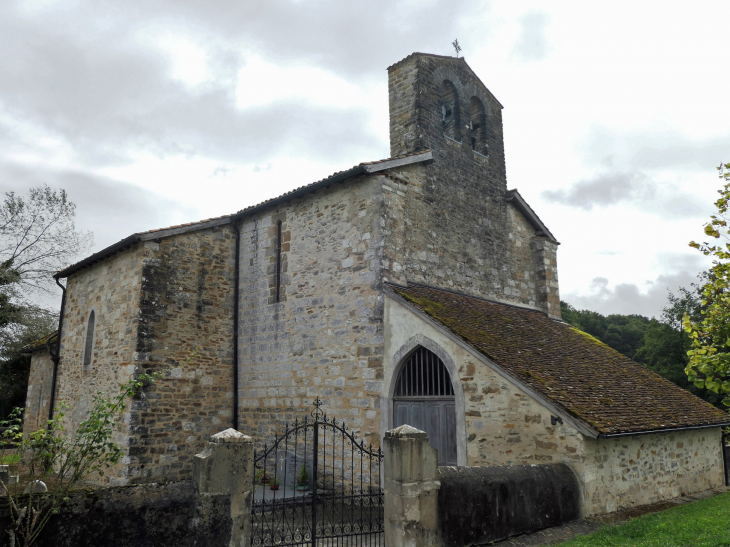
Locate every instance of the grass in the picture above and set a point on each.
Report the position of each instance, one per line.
(9, 459)
(703, 523)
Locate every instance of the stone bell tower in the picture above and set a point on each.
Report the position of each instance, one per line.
(439, 103)
(466, 232)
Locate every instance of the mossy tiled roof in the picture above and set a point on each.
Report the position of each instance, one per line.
(589, 380)
(39, 344)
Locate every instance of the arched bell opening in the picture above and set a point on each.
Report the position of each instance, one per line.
(424, 398)
(478, 126)
(450, 115)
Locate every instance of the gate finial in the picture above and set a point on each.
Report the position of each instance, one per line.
(317, 413)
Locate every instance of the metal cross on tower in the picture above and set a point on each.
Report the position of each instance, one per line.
(457, 47)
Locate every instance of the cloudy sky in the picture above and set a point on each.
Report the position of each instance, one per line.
(159, 112)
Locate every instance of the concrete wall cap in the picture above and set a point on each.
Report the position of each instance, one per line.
(230, 435)
(405, 431)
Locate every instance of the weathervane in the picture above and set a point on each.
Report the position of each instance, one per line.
(457, 47)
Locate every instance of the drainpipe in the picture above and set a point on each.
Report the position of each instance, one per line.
(56, 354)
(725, 458)
(236, 299)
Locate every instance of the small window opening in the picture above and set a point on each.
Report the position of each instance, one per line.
(449, 100)
(278, 262)
(89, 345)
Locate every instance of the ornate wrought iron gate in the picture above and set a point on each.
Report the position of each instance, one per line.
(326, 487)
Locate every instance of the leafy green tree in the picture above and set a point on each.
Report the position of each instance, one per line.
(624, 333)
(29, 324)
(62, 461)
(709, 357)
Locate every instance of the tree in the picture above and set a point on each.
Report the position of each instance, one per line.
(28, 324)
(38, 237)
(709, 356)
(62, 461)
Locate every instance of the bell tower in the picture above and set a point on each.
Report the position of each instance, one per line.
(439, 103)
(467, 233)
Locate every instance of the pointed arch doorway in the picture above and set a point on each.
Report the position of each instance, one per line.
(424, 398)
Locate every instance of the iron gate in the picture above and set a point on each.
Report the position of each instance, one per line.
(317, 486)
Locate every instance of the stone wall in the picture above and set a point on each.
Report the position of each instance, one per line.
(38, 398)
(186, 332)
(170, 515)
(324, 338)
(501, 424)
(111, 289)
(509, 501)
(628, 471)
(459, 231)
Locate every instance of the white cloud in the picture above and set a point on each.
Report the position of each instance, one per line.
(263, 83)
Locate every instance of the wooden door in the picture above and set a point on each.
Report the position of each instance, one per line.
(437, 418)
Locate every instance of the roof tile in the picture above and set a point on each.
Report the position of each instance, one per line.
(582, 375)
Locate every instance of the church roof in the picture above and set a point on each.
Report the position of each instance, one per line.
(590, 381)
(40, 344)
(367, 167)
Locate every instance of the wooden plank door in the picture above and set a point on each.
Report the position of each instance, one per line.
(436, 418)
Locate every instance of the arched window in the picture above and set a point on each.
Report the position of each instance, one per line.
(478, 126)
(450, 115)
(89, 344)
(424, 398)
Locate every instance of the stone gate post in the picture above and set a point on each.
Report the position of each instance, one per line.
(411, 489)
(225, 468)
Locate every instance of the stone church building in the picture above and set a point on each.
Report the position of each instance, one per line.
(416, 289)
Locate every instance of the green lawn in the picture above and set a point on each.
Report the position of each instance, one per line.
(9, 459)
(698, 524)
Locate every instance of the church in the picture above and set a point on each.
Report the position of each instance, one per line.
(416, 289)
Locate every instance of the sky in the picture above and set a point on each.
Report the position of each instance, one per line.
(160, 112)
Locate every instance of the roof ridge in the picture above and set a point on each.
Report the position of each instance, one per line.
(519, 306)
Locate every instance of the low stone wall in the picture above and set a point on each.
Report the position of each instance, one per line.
(136, 516)
(432, 506)
(484, 504)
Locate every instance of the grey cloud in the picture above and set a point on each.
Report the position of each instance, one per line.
(110, 97)
(532, 45)
(355, 38)
(603, 190)
(628, 298)
(109, 208)
(652, 150)
(633, 188)
(108, 104)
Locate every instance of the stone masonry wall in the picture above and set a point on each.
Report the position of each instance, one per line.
(324, 338)
(628, 471)
(38, 397)
(111, 289)
(186, 332)
(461, 233)
(169, 515)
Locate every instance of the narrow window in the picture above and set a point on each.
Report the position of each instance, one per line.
(278, 261)
(89, 345)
